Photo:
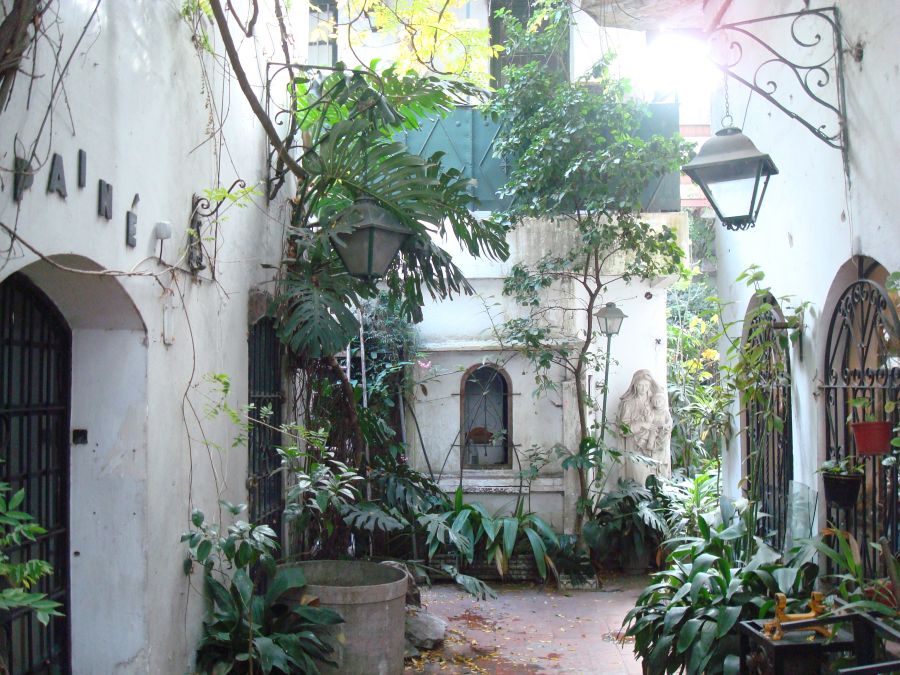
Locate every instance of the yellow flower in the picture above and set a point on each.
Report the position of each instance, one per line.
(710, 354)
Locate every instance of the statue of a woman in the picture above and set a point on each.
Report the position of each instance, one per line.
(644, 416)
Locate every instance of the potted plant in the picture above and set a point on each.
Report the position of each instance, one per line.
(871, 436)
(627, 527)
(842, 478)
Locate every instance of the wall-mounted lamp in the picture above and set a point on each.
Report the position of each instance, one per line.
(733, 175)
(808, 60)
(162, 230)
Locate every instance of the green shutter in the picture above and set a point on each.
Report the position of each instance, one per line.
(466, 137)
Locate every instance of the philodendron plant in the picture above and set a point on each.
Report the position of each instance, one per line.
(249, 630)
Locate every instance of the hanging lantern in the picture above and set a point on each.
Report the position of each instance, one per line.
(368, 250)
(733, 175)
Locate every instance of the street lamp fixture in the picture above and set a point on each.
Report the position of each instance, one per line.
(609, 323)
(368, 249)
(733, 175)
(609, 319)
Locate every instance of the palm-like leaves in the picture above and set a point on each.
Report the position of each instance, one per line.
(350, 120)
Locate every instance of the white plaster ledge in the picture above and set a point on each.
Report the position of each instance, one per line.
(500, 482)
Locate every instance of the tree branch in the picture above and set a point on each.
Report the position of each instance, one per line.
(244, 83)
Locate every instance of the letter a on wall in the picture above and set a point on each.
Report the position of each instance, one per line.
(57, 181)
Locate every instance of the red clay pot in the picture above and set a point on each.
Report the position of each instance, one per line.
(872, 438)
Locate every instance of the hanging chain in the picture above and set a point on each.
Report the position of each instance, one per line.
(727, 115)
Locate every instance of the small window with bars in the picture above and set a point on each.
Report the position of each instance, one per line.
(521, 10)
(322, 38)
(486, 418)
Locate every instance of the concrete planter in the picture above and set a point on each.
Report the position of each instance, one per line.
(372, 600)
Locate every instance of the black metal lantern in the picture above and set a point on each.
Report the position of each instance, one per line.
(729, 170)
(609, 319)
(368, 250)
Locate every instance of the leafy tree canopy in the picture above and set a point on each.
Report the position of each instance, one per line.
(427, 36)
(576, 157)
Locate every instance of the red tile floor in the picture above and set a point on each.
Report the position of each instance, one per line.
(529, 629)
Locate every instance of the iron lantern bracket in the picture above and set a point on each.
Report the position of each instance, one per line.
(813, 58)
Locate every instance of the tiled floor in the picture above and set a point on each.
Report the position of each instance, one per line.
(528, 629)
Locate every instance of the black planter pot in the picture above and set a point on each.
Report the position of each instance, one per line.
(841, 490)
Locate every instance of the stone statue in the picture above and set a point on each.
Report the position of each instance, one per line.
(644, 410)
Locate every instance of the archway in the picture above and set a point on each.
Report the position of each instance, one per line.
(862, 362)
(105, 439)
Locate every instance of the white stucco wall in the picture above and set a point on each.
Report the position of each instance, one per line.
(815, 218)
(147, 114)
(460, 333)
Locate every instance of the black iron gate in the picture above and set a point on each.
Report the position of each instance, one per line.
(264, 483)
(35, 367)
(862, 360)
(769, 446)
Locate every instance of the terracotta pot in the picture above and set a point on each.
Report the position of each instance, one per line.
(872, 438)
(840, 490)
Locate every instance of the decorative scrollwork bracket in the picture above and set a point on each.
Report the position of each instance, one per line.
(803, 76)
(203, 208)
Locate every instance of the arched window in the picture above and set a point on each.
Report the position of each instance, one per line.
(768, 446)
(322, 40)
(862, 364)
(486, 408)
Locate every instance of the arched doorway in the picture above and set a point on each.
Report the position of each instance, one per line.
(862, 361)
(768, 447)
(106, 467)
(35, 370)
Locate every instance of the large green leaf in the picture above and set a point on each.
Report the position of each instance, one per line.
(315, 309)
(539, 550)
(286, 578)
(510, 534)
(270, 655)
(369, 516)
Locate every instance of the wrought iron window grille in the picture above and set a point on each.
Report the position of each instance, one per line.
(862, 360)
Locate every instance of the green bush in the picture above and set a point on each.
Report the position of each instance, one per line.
(685, 620)
(250, 630)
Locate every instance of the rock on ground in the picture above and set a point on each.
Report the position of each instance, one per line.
(424, 630)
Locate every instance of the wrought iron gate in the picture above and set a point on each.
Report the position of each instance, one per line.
(862, 360)
(770, 459)
(264, 483)
(35, 366)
